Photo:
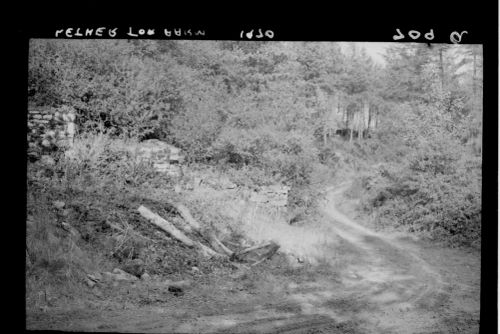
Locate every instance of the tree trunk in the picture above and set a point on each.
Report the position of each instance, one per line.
(366, 116)
(441, 67)
(369, 121)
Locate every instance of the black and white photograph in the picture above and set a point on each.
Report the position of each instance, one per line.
(253, 186)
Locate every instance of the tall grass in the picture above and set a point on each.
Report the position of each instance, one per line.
(100, 162)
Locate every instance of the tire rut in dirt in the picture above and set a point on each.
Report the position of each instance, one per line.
(299, 324)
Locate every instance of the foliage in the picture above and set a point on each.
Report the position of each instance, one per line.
(262, 112)
(110, 83)
(444, 205)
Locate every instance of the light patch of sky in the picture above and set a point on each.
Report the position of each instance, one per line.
(376, 50)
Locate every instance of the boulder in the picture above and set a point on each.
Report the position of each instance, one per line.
(59, 204)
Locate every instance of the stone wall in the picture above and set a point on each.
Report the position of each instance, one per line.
(165, 158)
(273, 196)
(49, 129)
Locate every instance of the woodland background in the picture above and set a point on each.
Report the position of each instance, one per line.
(297, 113)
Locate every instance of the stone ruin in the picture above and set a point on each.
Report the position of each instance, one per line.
(52, 128)
(165, 157)
(272, 196)
(49, 129)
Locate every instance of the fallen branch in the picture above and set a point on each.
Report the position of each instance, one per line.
(253, 248)
(257, 253)
(165, 225)
(176, 233)
(193, 224)
(207, 251)
(260, 261)
(186, 215)
(218, 245)
(232, 243)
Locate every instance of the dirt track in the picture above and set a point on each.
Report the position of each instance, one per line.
(373, 283)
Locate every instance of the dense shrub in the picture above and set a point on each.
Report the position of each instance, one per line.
(446, 206)
(116, 84)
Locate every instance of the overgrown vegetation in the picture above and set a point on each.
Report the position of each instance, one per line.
(261, 113)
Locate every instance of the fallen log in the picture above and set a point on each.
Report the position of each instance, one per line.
(254, 248)
(165, 225)
(256, 254)
(193, 224)
(207, 251)
(186, 215)
(219, 246)
(176, 233)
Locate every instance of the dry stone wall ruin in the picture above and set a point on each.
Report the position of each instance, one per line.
(55, 128)
(165, 158)
(50, 128)
(274, 196)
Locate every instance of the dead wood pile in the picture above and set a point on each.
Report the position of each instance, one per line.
(215, 248)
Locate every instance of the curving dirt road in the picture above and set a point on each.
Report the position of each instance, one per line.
(399, 288)
(367, 283)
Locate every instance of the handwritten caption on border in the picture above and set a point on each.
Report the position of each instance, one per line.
(269, 34)
(131, 32)
(455, 36)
